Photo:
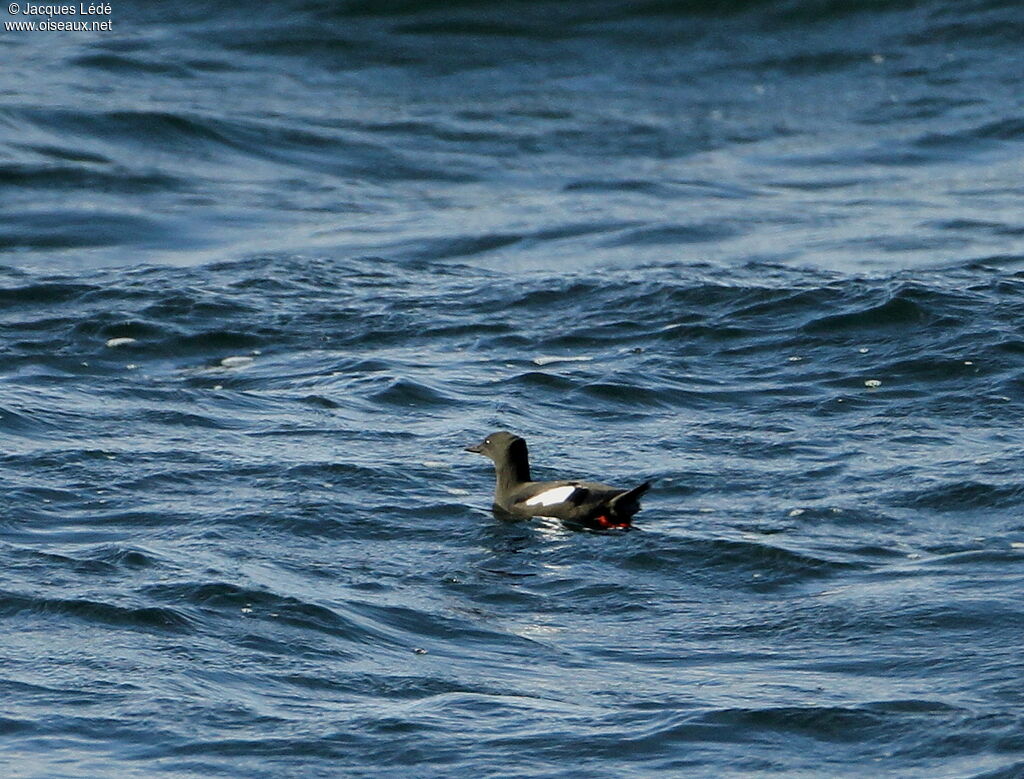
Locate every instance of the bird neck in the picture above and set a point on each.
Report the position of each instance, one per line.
(514, 469)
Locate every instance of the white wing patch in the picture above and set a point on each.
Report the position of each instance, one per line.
(552, 496)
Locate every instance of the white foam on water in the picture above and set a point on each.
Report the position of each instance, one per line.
(239, 361)
(547, 359)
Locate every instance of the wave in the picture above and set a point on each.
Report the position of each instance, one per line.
(143, 618)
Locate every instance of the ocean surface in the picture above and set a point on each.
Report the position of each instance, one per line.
(266, 269)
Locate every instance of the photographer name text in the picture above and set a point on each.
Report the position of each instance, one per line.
(55, 17)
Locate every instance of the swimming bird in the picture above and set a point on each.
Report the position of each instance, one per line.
(585, 503)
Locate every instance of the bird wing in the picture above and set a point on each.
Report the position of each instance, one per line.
(566, 493)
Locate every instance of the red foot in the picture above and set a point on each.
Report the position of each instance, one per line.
(605, 523)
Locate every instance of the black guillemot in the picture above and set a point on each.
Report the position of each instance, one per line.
(585, 503)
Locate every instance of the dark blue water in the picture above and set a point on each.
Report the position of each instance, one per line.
(266, 270)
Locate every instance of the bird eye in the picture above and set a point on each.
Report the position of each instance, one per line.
(487, 441)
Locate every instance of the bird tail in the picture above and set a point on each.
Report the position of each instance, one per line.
(627, 503)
